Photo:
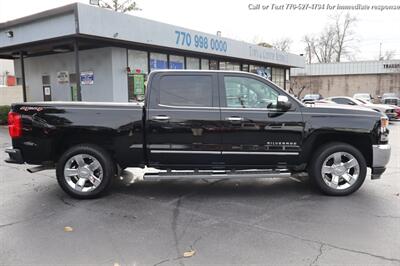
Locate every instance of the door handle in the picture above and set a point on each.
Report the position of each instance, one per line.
(234, 118)
(160, 117)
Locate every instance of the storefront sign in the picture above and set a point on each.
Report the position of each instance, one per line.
(158, 64)
(391, 65)
(175, 65)
(62, 77)
(200, 41)
(87, 78)
(138, 84)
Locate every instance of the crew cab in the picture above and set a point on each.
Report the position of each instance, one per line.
(215, 124)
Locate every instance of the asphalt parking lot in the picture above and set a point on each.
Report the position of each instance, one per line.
(265, 222)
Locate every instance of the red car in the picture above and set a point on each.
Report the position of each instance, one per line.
(397, 110)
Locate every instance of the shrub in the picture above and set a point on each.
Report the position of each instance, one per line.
(3, 114)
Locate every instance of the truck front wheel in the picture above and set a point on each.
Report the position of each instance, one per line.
(85, 171)
(338, 169)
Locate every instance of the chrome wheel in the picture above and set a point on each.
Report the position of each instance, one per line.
(83, 173)
(340, 170)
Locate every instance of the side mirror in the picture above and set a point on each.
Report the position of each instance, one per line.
(283, 103)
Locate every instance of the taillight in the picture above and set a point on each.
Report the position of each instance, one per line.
(14, 125)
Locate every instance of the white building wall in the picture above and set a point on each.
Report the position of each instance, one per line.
(6, 67)
(11, 94)
(119, 74)
(46, 28)
(348, 68)
(107, 64)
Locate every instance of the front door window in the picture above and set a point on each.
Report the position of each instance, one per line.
(244, 92)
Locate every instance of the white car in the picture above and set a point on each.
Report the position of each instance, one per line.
(363, 96)
(388, 110)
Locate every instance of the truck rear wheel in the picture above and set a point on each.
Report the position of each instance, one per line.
(85, 171)
(338, 169)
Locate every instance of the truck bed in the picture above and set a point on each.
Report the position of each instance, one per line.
(49, 128)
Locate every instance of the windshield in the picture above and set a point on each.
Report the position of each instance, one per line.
(311, 96)
(389, 95)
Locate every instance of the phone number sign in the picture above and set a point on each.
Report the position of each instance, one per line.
(187, 39)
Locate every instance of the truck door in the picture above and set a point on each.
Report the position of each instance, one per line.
(183, 119)
(255, 132)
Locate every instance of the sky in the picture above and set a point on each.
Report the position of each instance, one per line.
(235, 20)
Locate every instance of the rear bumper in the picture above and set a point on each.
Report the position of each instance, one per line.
(15, 156)
(380, 158)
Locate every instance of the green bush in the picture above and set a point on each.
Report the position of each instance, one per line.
(3, 114)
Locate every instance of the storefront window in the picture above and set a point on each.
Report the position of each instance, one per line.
(229, 66)
(158, 61)
(278, 76)
(262, 71)
(205, 64)
(137, 61)
(137, 77)
(176, 62)
(253, 69)
(245, 68)
(192, 63)
(287, 81)
(213, 65)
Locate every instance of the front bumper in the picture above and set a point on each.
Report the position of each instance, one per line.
(15, 156)
(391, 116)
(380, 158)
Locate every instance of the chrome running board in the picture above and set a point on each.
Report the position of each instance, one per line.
(216, 174)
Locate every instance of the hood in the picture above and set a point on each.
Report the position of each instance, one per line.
(379, 106)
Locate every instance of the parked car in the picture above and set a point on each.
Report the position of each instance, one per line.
(363, 96)
(312, 97)
(388, 110)
(200, 124)
(392, 100)
(389, 94)
(397, 110)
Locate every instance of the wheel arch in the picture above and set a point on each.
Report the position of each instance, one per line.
(68, 141)
(362, 142)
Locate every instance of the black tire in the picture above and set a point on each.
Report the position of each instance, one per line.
(322, 154)
(108, 170)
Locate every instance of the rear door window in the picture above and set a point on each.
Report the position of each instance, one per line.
(186, 90)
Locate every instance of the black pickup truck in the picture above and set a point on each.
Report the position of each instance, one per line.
(204, 124)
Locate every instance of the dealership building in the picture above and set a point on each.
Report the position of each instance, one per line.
(114, 53)
(348, 78)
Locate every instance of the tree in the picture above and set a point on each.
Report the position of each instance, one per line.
(116, 5)
(265, 44)
(344, 35)
(334, 42)
(282, 44)
(388, 55)
(310, 48)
